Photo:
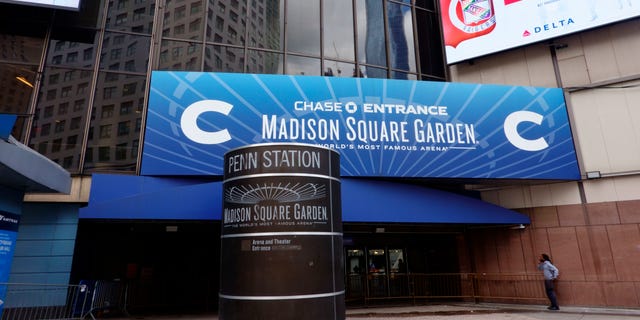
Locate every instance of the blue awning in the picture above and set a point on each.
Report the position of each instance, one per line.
(363, 200)
(382, 201)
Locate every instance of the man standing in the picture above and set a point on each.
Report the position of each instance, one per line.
(550, 273)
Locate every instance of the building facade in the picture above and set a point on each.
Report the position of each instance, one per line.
(84, 102)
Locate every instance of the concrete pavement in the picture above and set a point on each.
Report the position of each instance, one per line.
(459, 311)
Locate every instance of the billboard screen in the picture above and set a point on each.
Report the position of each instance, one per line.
(57, 4)
(474, 28)
(380, 127)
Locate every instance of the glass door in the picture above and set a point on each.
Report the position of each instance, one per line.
(399, 277)
(355, 274)
(377, 272)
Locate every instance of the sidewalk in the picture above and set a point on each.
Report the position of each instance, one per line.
(460, 311)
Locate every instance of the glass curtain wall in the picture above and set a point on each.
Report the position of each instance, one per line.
(82, 101)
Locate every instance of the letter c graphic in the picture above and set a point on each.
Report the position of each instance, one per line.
(511, 131)
(189, 120)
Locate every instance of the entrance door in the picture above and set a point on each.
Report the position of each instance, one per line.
(355, 274)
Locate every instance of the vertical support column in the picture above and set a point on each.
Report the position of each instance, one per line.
(281, 255)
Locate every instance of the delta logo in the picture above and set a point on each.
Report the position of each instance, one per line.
(549, 27)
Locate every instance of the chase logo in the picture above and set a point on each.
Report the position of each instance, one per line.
(189, 122)
(511, 131)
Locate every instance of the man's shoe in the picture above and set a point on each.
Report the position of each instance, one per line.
(553, 308)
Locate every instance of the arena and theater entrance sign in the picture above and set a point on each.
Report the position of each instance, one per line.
(380, 127)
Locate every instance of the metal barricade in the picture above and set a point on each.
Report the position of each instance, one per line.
(106, 298)
(28, 301)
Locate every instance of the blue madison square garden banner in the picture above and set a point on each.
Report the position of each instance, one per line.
(380, 127)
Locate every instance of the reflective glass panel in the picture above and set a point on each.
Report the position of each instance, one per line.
(400, 30)
(125, 52)
(377, 261)
(223, 59)
(184, 19)
(226, 20)
(16, 88)
(303, 32)
(430, 44)
(179, 55)
(338, 26)
(130, 16)
(373, 72)
(371, 33)
(339, 69)
(114, 131)
(266, 27)
(20, 48)
(427, 4)
(71, 54)
(60, 115)
(264, 62)
(302, 66)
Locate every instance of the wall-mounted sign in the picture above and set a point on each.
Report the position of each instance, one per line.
(474, 28)
(58, 4)
(380, 127)
(8, 234)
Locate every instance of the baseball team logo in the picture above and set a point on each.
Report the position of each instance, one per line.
(466, 19)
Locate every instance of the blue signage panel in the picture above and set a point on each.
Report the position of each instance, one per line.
(381, 127)
(7, 121)
(8, 234)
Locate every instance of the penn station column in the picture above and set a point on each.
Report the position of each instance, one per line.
(281, 246)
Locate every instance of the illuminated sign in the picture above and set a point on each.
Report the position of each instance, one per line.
(58, 4)
(381, 127)
(475, 28)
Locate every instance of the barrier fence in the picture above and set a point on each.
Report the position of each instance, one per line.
(89, 299)
(30, 301)
(475, 287)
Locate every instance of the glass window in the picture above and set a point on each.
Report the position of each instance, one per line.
(132, 16)
(377, 261)
(371, 34)
(63, 108)
(302, 66)
(16, 87)
(355, 261)
(124, 128)
(60, 125)
(338, 30)
(401, 50)
(265, 62)
(71, 142)
(224, 59)
(121, 151)
(48, 111)
(339, 69)
(107, 111)
(45, 130)
(114, 122)
(56, 145)
(104, 153)
(105, 131)
(266, 29)
(303, 21)
(127, 49)
(428, 35)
